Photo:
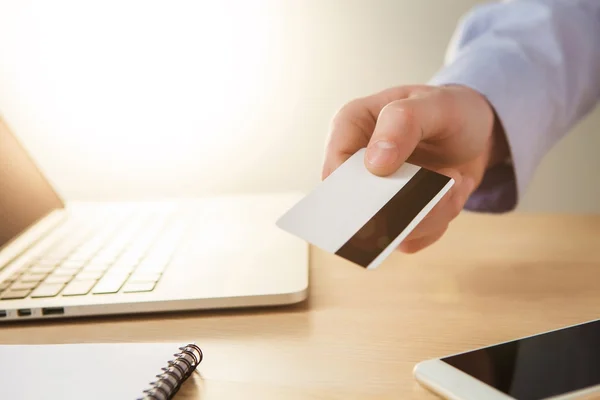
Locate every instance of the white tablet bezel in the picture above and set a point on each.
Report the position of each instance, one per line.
(453, 384)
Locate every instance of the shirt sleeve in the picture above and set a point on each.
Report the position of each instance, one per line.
(538, 64)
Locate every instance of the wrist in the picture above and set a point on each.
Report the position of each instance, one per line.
(497, 150)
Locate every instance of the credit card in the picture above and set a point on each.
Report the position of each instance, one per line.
(363, 217)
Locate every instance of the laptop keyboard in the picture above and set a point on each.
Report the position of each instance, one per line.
(113, 255)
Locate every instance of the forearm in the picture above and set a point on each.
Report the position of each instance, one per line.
(538, 65)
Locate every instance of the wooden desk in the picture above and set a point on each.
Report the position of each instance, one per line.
(492, 278)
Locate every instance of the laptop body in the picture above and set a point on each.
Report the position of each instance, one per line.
(69, 259)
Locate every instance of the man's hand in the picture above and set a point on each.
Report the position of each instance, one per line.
(451, 130)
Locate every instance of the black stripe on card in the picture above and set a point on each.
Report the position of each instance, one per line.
(389, 222)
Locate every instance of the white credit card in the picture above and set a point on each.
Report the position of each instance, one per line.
(363, 217)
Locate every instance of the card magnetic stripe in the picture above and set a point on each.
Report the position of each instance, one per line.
(393, 218)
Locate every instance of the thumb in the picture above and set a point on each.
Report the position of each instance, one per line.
(400, 126)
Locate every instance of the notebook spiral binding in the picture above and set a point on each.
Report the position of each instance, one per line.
(176, 372)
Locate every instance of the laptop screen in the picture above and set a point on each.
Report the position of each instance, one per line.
(25, 194)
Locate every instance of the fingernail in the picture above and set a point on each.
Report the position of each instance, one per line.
(382, 153)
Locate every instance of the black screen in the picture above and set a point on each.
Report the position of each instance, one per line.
(25, 195)
(538, 367)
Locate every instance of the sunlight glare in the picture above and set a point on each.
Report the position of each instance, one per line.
(137, 87)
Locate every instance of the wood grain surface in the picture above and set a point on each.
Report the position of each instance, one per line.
(490, 279)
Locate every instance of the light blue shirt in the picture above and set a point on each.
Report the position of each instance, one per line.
(538, 64)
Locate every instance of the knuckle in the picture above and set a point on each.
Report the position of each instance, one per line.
(401, 110)
(349, 110)
(424, 90)
(352, 114)
(401, 106)
(450, 106)
(443, 94)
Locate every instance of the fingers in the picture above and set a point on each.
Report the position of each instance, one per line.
(350, 131)
(401, 125)
(447, 124)
(416, 245)
(437, 221)
(427, 126)
(353, 125)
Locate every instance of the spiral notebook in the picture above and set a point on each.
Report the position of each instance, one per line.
(127, 371)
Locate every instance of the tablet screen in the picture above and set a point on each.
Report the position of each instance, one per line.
(538, 367)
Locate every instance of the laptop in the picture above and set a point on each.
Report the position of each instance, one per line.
(69, 259)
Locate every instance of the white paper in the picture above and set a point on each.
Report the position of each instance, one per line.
(82, 371)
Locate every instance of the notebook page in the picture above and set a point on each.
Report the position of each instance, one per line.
(82, 371)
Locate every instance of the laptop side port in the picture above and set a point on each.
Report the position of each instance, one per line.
(3, 313)
(53, 311)
(24, 312)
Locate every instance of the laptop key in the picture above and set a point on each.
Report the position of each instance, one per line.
(95, 268)
(47, 290)
(33, 277)
(110, 283)
(58, 279)
(121, 266)
(88, 275)
(13, 294)
(137, 287)
(40, 269)
(80, 257)
(65, 272)
(44, 262)
(152, 266)
(15, 275)
(130, 257)
(105, 259)
(145, 277)
(69, 264)
(20, 285)
(58, 253)
(78, 288)
(4, 285)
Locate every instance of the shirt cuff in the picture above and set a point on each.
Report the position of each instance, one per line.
(503, 185)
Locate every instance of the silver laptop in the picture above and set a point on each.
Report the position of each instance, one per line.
(81, 259)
